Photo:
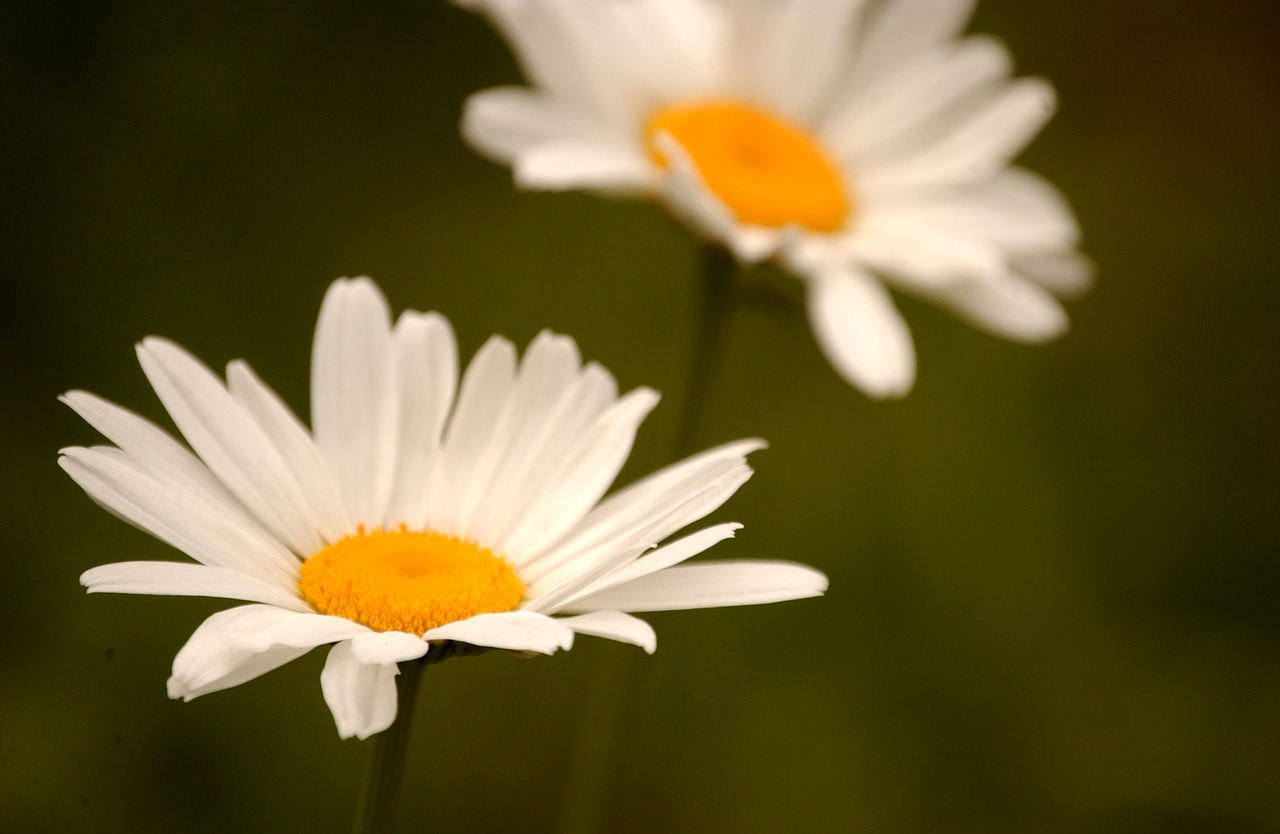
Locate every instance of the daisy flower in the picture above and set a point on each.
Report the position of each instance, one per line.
(417, 510)
(856, 144)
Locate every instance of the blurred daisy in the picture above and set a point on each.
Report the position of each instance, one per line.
(856, 144)
(410, 513)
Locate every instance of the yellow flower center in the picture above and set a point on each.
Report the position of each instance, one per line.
(405, 581)
(768, 172)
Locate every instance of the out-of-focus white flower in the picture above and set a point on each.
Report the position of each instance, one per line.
(856, 144)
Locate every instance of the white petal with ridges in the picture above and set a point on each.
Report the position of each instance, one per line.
(525, 475)
(178, 579)
(426, 364)
(229, 441)
(142, 497)
(362, 697)
(354, 408)
(482, 398)
(584, 475)
(710, 585)
(311, 474)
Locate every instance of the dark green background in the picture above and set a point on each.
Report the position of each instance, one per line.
(1054, 571)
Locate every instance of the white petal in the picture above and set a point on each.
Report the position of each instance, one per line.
(354, 407)
(526, 472)
(362, 697)
(584, 475)
(549, 369)
(862, 334)
(217, 668)
(177, 579)
(427, 376)
(663, 557)
(229, 441)
(646, 512)
(789, 55)
(976, 147)
(518, 631)
(902, 30)
(909, 108)
(201, 529)
(1013, 308)
(481, 400)
(615, 625)
(239, 644)
(311, 475)
(155, 449)
(709, 586)
(383, 647)
(259, 628)
(506, 121)
(567, 164)
(1066, 274)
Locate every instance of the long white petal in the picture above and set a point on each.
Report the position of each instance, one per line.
(663, 557)
(615, 625)
(201, 529)
(1012, 308)
(178, 579)
(486, 385)
(910, 107)
(549, 369)
(652, 508)
(902, 31)
(354, 407)
(427, 376)
(525, 474)
(154, 448)
(862, 333)
(311, 474)
(585, 474)
(709, 586)
(229, 441)
(361, 696)
(519, 631)
(977, 145)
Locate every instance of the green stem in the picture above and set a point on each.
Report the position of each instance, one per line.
(716, 298)
(377, 804)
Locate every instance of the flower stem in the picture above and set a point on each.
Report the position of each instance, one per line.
(382, 780)
(717, 297)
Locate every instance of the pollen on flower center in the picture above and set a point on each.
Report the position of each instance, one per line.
(399, 580)
(768, 172)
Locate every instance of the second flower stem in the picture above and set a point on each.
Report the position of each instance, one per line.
(716, 298)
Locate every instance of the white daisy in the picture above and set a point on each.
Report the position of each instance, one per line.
(855, 143)
(411, 513)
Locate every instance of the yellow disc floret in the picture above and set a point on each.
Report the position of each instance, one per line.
(766, 171)
(407, 581)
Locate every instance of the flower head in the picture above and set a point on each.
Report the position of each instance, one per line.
(857, 147)
(417, 509)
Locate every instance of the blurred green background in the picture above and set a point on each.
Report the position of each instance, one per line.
(1054, 572)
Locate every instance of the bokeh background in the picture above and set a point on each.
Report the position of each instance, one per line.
(1054, 571)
